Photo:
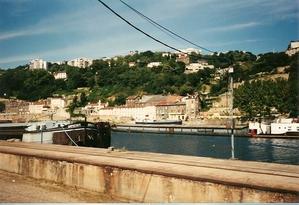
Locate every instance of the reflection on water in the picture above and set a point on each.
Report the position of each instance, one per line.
(274, 150)
(253, 149)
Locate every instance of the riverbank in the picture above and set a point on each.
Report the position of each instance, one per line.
(182, 129)
(149, 177)
(209, 130)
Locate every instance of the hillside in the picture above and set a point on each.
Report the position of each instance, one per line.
(112, 80)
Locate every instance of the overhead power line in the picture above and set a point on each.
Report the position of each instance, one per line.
(164, 28)
(138, 29)
(155, 25)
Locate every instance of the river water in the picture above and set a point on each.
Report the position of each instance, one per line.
(284, 151)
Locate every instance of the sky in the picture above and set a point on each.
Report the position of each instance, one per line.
(57, 30)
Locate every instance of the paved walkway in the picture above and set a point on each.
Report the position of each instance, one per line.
(17, 188)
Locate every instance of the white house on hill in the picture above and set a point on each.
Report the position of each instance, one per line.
(293, 48)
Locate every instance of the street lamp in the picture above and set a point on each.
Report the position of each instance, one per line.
(231, 91)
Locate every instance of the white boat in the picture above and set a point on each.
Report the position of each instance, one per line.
(280, 127)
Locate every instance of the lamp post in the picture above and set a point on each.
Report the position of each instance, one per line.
(231, 92)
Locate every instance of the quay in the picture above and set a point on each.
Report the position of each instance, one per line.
(181, 129)
(150, 177)
(239, 131)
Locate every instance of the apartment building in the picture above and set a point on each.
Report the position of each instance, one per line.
(80, 62)
(38, 64)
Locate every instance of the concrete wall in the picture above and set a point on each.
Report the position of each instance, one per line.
(36, 109)
(147, 177)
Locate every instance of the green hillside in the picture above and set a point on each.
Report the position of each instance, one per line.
(113, 81)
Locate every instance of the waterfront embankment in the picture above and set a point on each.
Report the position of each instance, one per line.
(150, 177)
(210, 130)
(181, 129)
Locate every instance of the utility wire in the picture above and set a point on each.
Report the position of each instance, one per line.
(162, 30)
(138, 29)
(163, 27)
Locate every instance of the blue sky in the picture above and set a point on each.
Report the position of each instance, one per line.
(65, 29)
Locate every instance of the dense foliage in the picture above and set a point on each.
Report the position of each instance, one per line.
(27, 85)
(264, 99)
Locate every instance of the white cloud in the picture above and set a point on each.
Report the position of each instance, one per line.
(234, 27)
(76, 21)
(228, 43)
(26, 32)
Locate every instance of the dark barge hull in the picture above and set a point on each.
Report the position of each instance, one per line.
(15, 132)
(98, 135)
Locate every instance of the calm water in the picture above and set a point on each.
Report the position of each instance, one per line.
(266, 150)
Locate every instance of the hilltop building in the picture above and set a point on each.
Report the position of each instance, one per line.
(153, 64)
(195, 67)
(167, 54)
(131, 64)
(80, 62)
(60, 75)
(183, 57)
(293, 48)
(38, 64)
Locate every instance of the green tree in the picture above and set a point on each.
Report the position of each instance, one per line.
(73, 105)
(83, 100)
(260, 99)
(120, 99)
(186, 89)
